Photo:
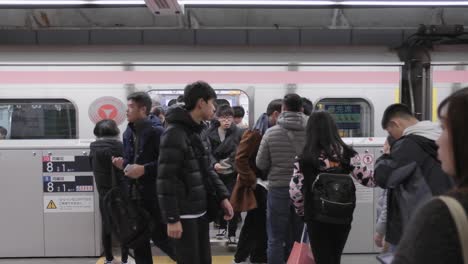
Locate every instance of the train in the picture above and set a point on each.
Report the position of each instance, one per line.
(51, 97)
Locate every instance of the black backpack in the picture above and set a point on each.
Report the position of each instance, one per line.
(130, 222)
(333, 197)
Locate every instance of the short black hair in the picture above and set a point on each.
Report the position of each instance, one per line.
(195, 91)
(224, 110)
(292, 102)
(142, 99)
(395, 110)
(3, 131)
(307, 105)
(180, 99)
(221, 101)
(158, 110)
(172, 102)
(238, 111)
(106, 128)
(273, 106)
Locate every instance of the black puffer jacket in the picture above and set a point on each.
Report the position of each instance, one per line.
(412, 174)
(101, 152)
(184, 169)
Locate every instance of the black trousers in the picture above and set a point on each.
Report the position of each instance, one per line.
(327, 241)
(194, 245)
(106, 232)
(145, 193)
(253, 236)
(229, 181)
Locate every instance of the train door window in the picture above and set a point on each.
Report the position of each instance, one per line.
(234, 97)
(353, 116)
(38, 118)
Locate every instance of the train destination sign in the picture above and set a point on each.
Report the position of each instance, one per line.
(65, 164)
(68, 184)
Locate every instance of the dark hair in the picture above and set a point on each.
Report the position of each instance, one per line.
(220, 102)
(395, 110)
(307, 105)
(3, 131)
(171, 102)
(106, 128)
(456, 122)
(322, 138)
(196, 91)
(292, 102)
(273, 106)
(180, 99)
(224, 110)
(142, 99)
(158, 110)
(238, 111)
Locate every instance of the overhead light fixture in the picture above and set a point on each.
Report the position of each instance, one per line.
(234, 3)
(313, 3)
(69, 2)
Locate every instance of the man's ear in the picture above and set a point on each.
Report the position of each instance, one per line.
(394, 123)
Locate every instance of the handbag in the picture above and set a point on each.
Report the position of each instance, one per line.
(301, 252)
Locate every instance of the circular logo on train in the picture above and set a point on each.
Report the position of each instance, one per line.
(107, 107)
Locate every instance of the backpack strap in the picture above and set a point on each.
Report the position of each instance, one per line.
(460, 218)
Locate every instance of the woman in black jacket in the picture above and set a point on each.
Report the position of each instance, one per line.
(432, 237)
(324, 151)
(103, 149)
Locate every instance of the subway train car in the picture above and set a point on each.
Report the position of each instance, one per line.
(50, 99)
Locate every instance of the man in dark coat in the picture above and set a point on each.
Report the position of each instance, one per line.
(224, 137)
(140, 163)
(185, 177)
(410, 170)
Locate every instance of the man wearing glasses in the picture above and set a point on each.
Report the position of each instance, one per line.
(224, 137)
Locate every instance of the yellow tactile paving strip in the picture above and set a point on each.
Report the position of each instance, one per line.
(167, 260)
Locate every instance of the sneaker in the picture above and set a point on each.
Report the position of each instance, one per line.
(243, 262)
(232, 241)
(221, 234)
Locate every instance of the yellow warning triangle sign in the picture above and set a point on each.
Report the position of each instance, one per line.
(51, 205)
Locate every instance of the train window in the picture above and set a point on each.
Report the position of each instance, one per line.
(234, 97)
(353, 116)
(38, 118)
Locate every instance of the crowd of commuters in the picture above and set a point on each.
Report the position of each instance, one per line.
(197, 162)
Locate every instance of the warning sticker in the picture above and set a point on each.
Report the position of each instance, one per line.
(51, 205)
(68, 204)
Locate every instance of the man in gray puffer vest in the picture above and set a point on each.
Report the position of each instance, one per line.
(278, 149)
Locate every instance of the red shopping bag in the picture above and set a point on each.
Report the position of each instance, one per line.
(301, 253)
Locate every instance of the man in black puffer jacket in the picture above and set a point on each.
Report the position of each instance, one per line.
(185, 176)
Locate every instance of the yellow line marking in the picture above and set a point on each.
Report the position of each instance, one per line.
(167, 260)
(434, 104)
(397, 95)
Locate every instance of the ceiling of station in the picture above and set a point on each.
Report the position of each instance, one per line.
(244, 18)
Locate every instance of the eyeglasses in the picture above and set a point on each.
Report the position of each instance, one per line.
(225, 118)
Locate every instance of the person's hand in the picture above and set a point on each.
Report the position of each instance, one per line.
(118, 162)
(386, 147)
(135, 171)
(228, 211)
(217, 167)
(174, 230)
(378, 239)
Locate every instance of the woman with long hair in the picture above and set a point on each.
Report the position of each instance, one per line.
(432, 236)
(325, 152)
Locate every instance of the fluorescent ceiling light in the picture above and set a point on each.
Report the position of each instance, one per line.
(343, 3)
(71, 2)
(220, 3)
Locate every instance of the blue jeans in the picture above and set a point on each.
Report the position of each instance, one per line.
(283, 225)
